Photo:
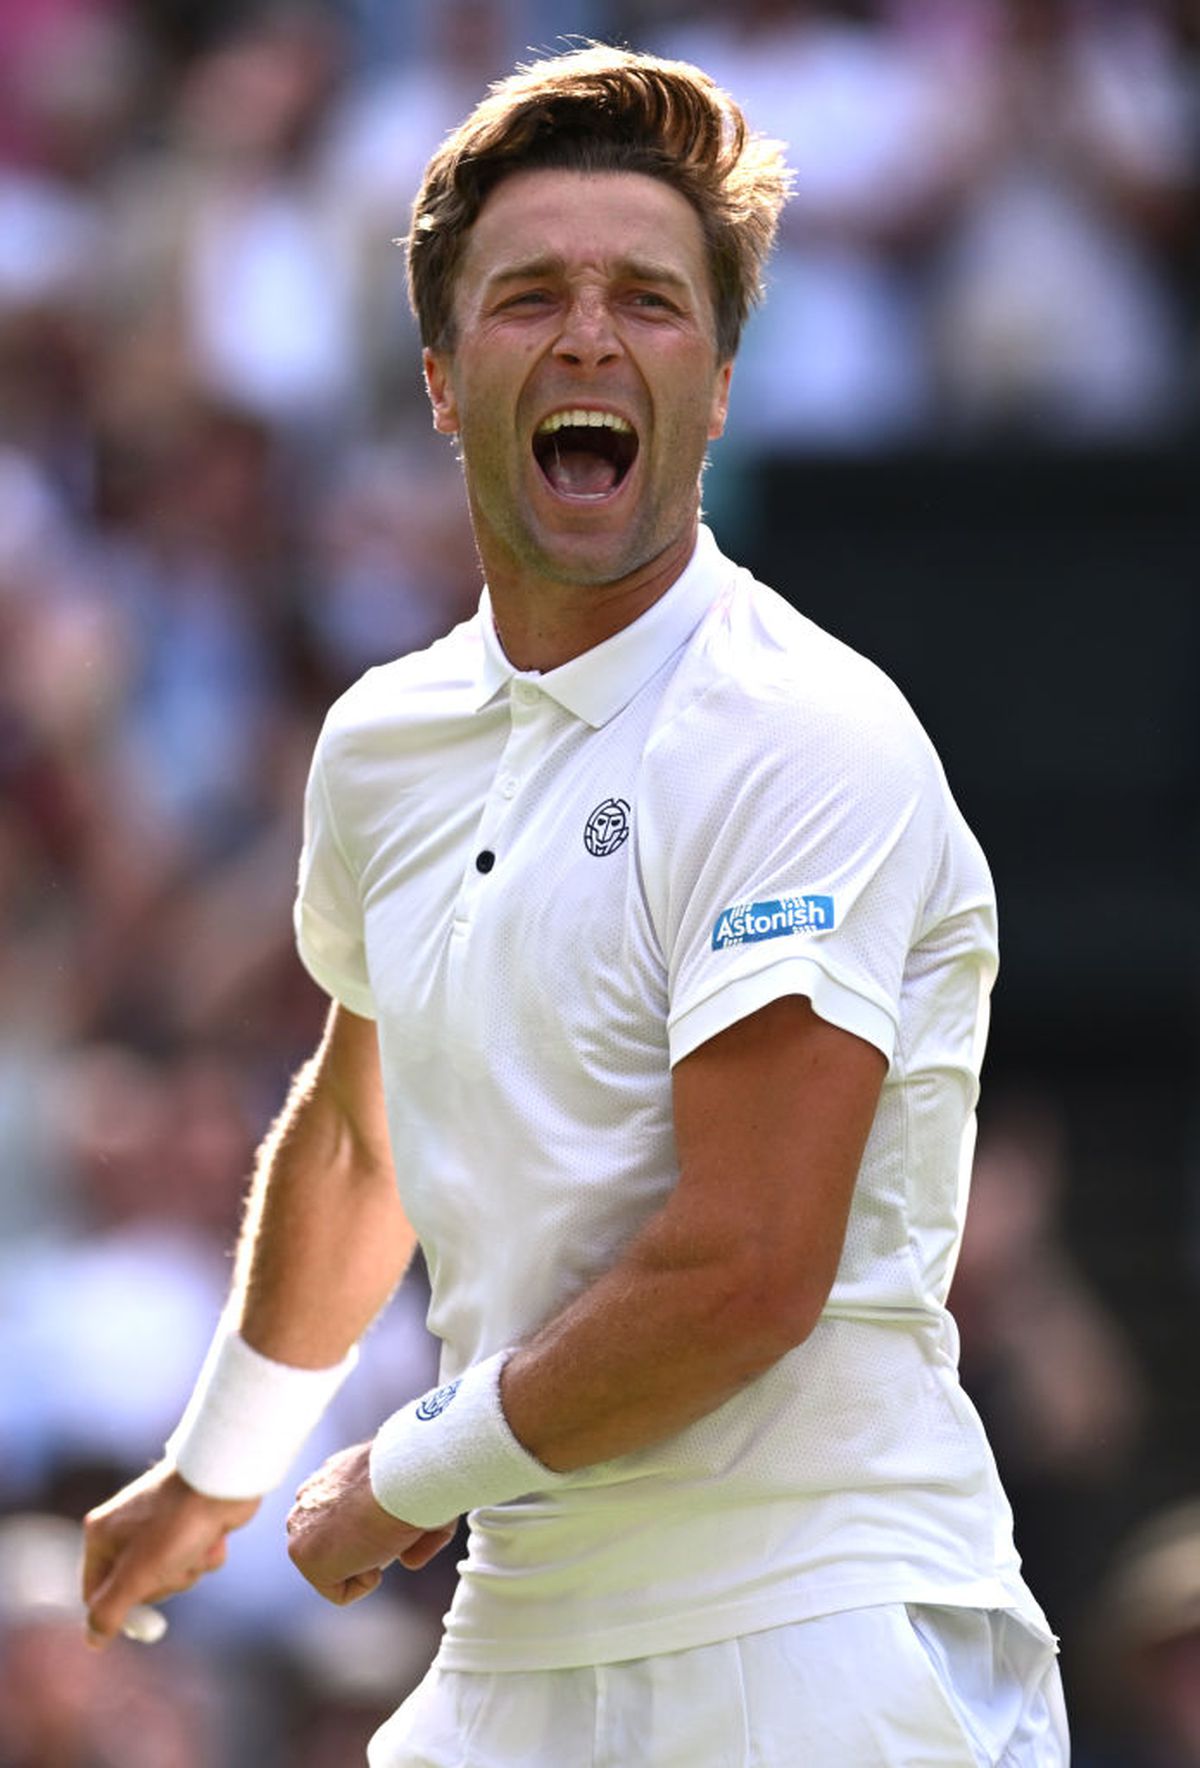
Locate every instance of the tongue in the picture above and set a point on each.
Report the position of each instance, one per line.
(577, 472)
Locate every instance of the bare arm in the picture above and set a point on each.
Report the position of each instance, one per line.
(324, 1243)
(772, 1117)
(325, 1239)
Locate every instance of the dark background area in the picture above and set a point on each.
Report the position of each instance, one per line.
(1041, 611)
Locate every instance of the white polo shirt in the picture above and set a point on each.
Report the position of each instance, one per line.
(547, 889)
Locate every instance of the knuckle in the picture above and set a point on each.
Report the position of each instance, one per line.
(94, 1530)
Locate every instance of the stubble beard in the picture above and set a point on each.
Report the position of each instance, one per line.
(509, 523)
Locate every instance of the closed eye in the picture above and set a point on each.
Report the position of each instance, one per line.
(529, 298)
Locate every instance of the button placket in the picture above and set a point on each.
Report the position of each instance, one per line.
(517, 759)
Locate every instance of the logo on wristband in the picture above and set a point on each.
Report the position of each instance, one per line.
(436, 1402)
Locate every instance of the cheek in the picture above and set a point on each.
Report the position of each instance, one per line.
(490, 393)
(693, 422)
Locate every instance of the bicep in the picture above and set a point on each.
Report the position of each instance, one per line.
(772, 1117)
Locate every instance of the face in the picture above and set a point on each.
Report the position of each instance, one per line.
(584, 384)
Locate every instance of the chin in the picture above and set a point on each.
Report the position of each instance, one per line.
(603, 553)
(593, 560)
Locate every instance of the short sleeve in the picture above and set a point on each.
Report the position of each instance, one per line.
(328, 916)
(798, 861)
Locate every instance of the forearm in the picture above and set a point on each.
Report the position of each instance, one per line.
(325, 1240)
(324, 1244)
(772, 1118)
(679, 1326)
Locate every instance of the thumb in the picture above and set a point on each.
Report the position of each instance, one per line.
(112, 1599)
(361, 1584)
(426, 1546)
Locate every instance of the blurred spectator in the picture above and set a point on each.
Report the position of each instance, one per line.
(63, 1706)
(1052, 307)
(226, 269)
(1048, 1366)
(1147, 1641)
(393, 559)
(193, 556)
(73, 87)
(380, 139)
(347, 1671)
(107, 1326)
(837, 357)
(1060, 1383)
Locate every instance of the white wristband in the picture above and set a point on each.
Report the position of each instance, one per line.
(247, 1417)
(452, 1451)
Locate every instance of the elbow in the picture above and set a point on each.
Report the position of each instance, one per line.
(776, 1304)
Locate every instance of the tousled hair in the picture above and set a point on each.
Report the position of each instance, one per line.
(600, 109)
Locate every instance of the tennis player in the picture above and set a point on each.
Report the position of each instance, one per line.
(659, 957)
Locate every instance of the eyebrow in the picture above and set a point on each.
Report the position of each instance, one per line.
(627, 269)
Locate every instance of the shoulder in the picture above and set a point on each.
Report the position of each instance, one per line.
(393, 703)
(762, 685)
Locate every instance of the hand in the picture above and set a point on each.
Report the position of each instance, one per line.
(156, 1537)
(341, 1538)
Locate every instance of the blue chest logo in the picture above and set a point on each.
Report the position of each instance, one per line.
(745, 923)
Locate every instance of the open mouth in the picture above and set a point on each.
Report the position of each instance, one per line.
(585, 454)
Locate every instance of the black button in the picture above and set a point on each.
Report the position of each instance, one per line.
(485, 861)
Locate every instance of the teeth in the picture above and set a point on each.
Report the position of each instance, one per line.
(580, 419)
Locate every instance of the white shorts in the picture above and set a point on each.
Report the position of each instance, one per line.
(898, 1686)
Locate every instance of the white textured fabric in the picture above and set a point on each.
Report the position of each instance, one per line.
(549, 889)
(248, 1417)
(883, 1687)
(452, 1449)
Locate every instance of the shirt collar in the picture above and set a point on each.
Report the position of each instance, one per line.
(597, 684)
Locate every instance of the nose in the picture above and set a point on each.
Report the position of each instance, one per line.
(588, 338)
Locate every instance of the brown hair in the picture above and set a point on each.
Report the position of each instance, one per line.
(599, 109)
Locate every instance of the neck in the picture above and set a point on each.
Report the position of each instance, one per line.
(543, 623)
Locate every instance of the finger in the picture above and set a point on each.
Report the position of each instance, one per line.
(347, 1590)
(97, 1564)
(99, 1557)
(127, 1587)
(111, 1601)
(361, 1585)
(430, 1544)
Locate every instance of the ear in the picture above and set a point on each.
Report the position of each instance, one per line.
(440, 387)
(720, 401)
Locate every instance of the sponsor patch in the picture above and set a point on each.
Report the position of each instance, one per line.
(745, 923)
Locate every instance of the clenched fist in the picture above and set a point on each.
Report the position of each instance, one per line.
(341, 1538)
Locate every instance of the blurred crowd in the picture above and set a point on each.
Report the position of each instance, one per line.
(221, 499)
